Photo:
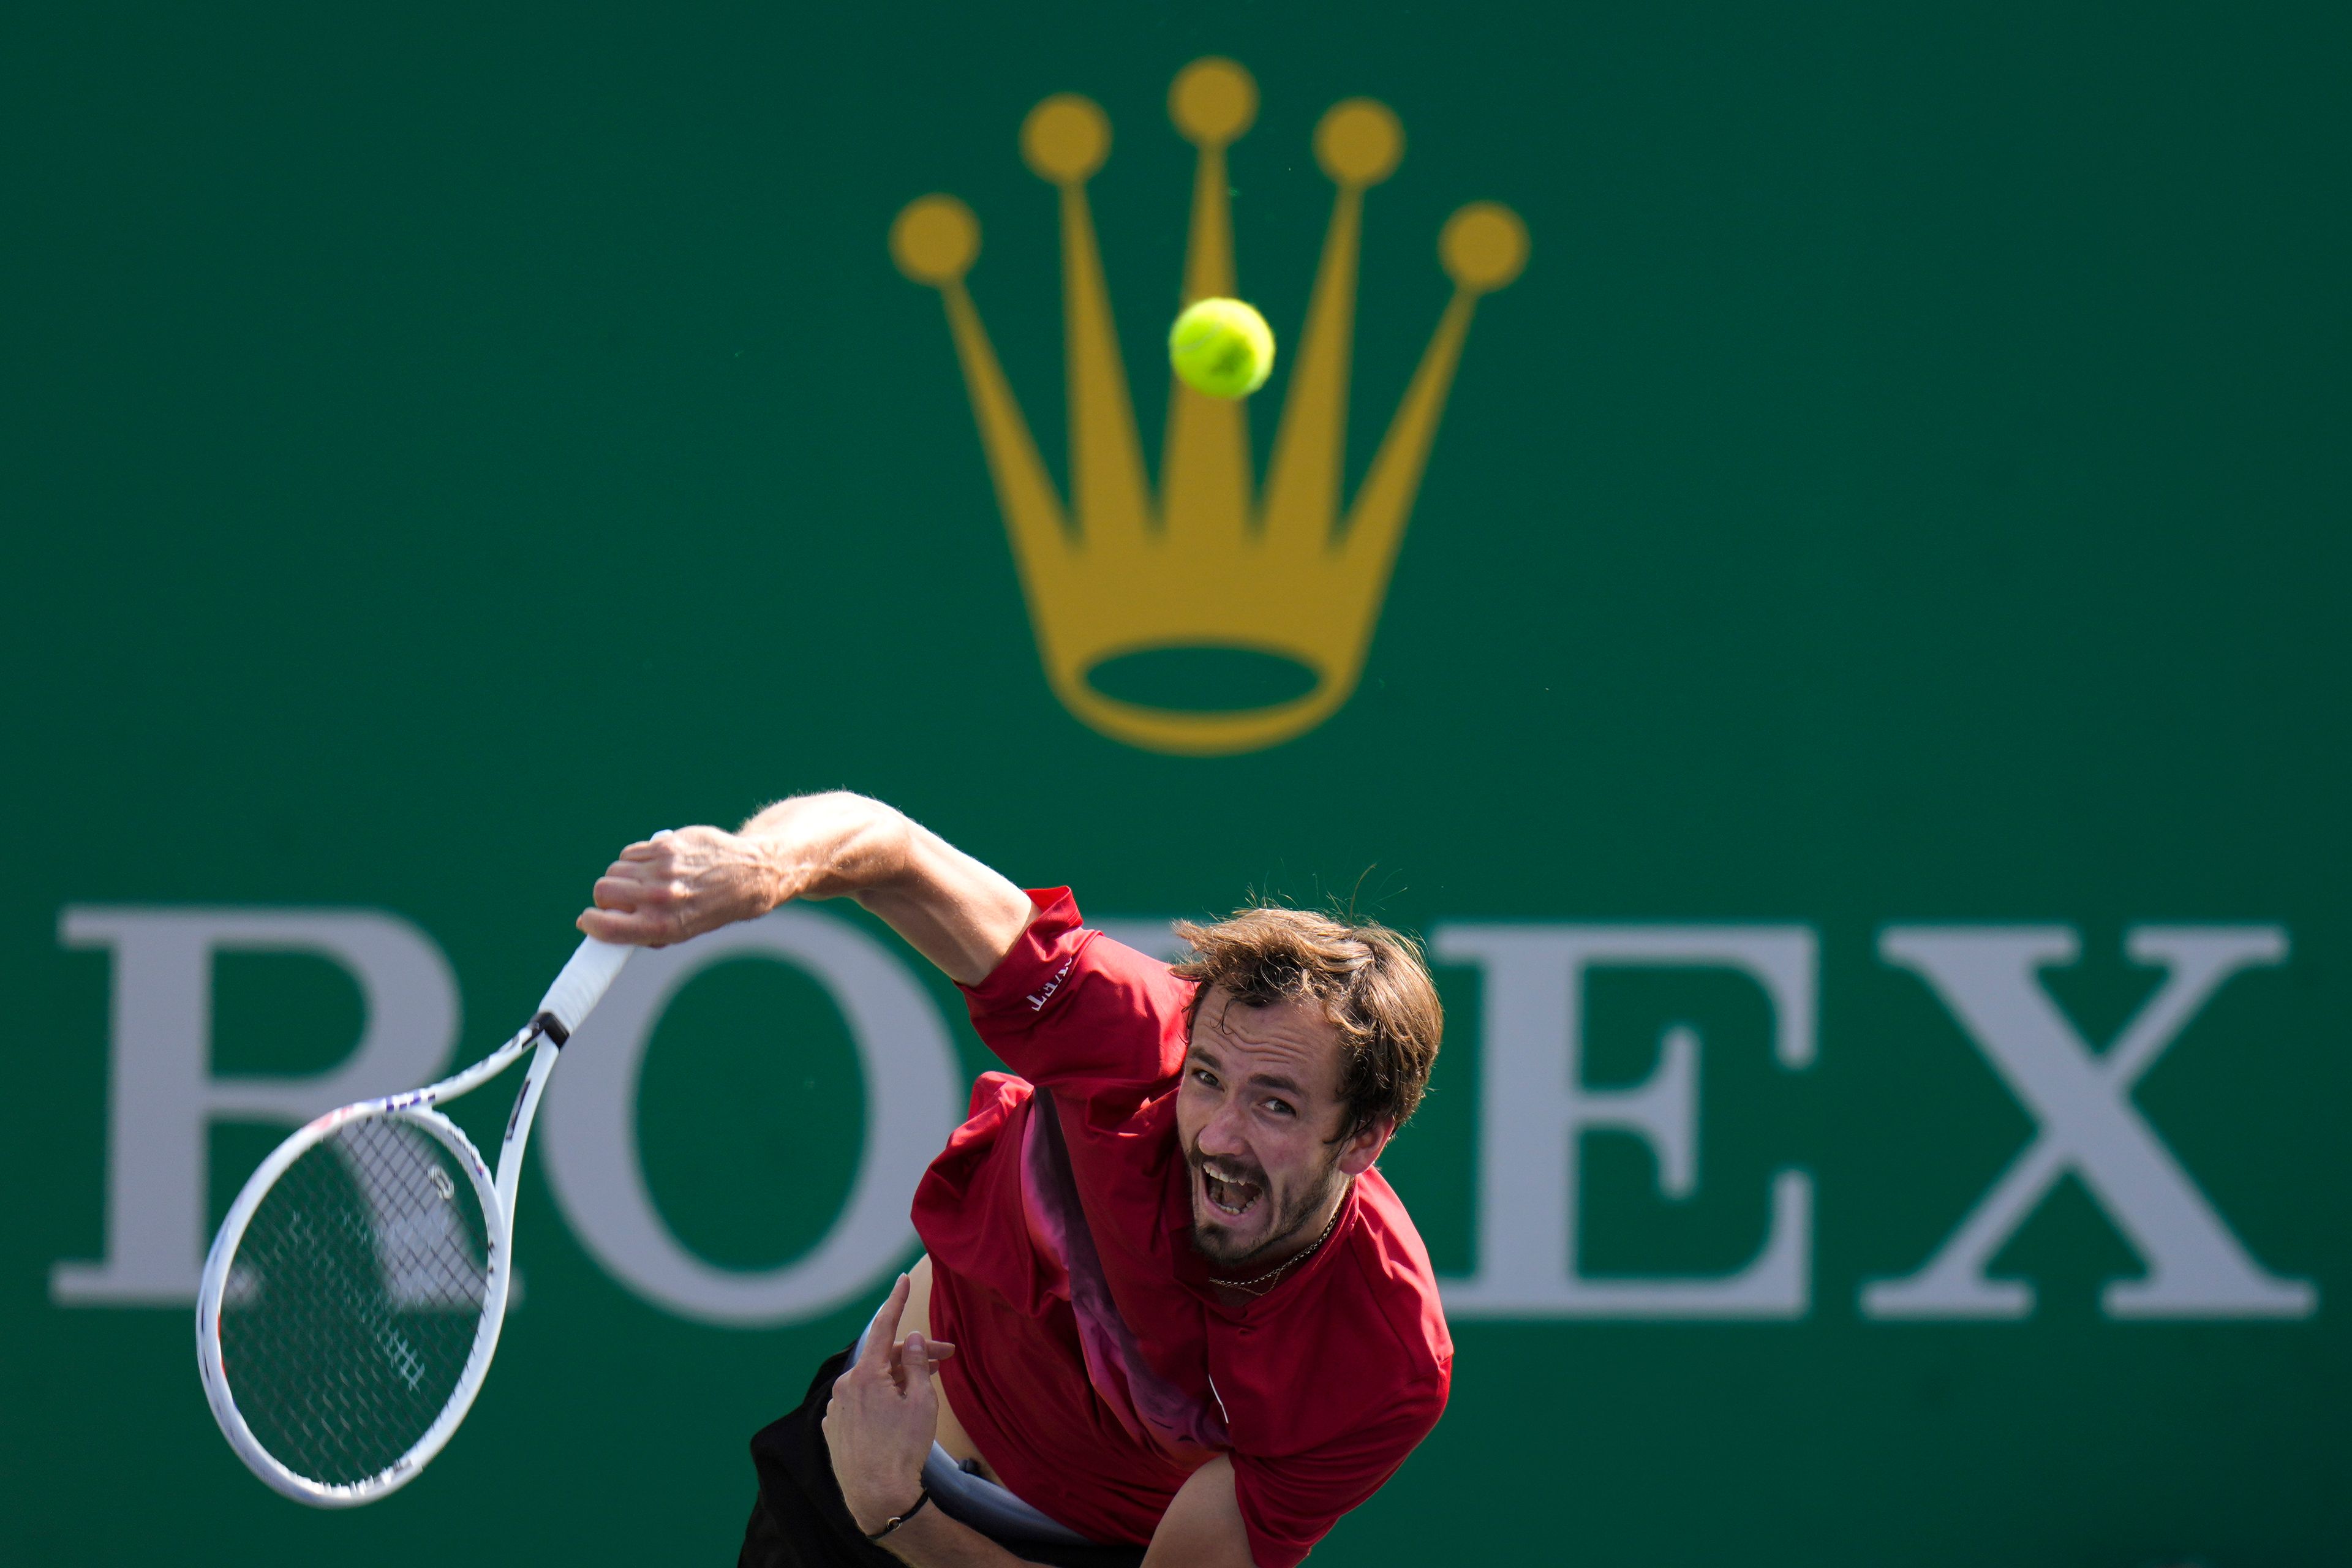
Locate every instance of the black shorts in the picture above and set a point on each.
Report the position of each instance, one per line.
(800, 1521)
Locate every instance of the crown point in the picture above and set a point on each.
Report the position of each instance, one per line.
(1065, 138)
(935, 239)
(1359, 141)
(1482, 247)
(1213, 102)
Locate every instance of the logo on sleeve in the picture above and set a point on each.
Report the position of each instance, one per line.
(1045, 993)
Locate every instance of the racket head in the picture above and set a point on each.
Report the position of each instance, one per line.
(351, 1303)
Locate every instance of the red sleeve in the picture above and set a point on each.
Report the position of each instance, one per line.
(1069, 1006)
(1290, 1502)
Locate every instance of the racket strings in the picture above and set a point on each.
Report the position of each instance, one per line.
(354, 1300)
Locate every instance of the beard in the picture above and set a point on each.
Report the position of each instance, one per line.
(1297, 1213)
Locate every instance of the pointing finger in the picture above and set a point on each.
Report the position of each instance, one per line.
(883, 1337)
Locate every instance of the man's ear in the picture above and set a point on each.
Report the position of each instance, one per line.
(1362, 1151)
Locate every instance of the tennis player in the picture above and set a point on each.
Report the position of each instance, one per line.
(1170, 1314)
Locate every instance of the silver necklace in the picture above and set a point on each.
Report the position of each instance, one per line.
(1261, 1284)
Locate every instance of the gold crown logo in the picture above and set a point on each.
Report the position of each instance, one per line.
(1210, 566)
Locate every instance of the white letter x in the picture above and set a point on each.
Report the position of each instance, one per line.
(2196, 1268)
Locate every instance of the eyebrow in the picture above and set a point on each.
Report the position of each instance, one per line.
(1261, 1079)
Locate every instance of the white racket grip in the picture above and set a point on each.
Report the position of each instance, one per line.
(581, 985)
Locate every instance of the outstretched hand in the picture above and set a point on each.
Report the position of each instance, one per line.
(678, 885)
(883, 1417)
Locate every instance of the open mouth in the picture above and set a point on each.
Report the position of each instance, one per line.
(1227, 1193)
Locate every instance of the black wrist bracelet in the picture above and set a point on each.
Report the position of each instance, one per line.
(897, 1520)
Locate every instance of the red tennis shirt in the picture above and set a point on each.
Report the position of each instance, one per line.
(1094, 1366)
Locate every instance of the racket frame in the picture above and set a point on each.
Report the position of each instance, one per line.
(566, 1006)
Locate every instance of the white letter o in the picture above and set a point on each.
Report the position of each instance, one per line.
(911, 1083)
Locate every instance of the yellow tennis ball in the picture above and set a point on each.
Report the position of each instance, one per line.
(1220, 347)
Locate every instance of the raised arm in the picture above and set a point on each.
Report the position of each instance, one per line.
(954, 910)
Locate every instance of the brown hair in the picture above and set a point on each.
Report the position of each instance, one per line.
(1370, 981)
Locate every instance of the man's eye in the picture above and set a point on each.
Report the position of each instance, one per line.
(1204, 1077)
(1280, 1108)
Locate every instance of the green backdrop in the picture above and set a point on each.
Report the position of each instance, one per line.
(1905, 488)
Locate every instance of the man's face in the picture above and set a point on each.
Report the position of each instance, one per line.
(1258, 1114)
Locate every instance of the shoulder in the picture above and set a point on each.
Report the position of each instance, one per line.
(1071, 1009)
(1058, 956)
(1388, 1273)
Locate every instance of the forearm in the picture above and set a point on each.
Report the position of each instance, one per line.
(951, 909)
(830, 846)
(674, 887)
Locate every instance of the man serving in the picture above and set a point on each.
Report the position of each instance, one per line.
(1169, 1312)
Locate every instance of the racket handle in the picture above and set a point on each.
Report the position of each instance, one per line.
(583, 983)
(581, 986)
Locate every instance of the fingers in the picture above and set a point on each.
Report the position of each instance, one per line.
(627, 886)
(675, 885)
(923, 1354)
(882, 1339)
(650, 863)
(637, 899)
(630, 912)
(915, 1362)
(606, 926)
(649, 848)
(627, 931)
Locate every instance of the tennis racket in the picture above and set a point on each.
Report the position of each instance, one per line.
(352, 1301)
